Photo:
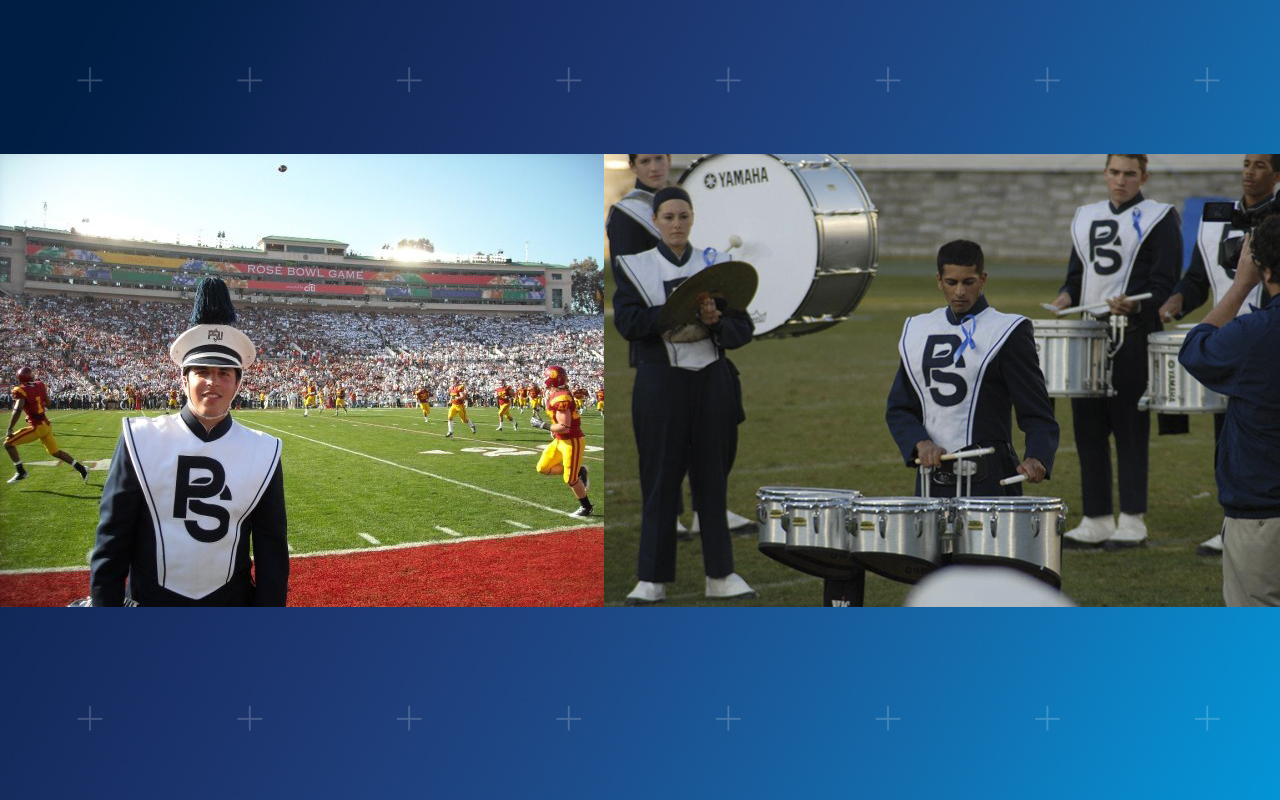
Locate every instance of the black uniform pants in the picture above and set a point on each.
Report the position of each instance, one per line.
(684, 420)
(1096, 419)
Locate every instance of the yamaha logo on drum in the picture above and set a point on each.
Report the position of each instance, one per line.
(737, 177)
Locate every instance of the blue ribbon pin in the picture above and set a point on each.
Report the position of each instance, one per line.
(968, 336)
(1137, 217)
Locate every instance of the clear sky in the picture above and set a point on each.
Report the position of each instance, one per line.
(462, 203)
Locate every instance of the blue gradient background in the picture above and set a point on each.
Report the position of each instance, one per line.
(806, 683)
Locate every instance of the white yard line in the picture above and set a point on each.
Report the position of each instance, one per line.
(512, 498)
(449, 531)
(517, 524)
(354, 550)
(369, 539)
(512, 445)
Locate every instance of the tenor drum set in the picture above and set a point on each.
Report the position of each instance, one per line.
(837, 534)
(1076, 357)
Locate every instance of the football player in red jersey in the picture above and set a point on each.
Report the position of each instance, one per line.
(458, 406)
(563, 456)
(504, 393)
(535, 403)
(31, 398)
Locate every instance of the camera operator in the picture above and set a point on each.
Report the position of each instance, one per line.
(1236, 355)
(1213, 264)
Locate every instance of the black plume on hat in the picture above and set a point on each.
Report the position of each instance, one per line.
(213, 304)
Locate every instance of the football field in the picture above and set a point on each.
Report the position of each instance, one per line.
(815, 417)
(368, 482)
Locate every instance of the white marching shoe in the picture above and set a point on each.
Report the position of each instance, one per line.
(1212, 547)
(647, 593)
(730, 587)
(1091, 532)
(1130, 532)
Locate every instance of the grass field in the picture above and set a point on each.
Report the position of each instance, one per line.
(815, 417)
(370, 479)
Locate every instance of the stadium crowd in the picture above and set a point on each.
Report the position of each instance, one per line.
(80, 344)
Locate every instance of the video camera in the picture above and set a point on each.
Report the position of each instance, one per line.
(1239, 219)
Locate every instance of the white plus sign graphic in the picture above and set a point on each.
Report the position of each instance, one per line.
(727, 719)
(1046, 719)
(886, 80)
(1046, 80)
(727, 81)
(250, 719)
(249, 80)
(568, 80)
(90, 719)
(886, 719)
(409, 81)
(1206, 719)
(568, 719)
(1206, 80)
(90, 80)
(408, 718)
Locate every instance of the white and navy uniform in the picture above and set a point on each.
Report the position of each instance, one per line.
(1129, 250)
(1207, 278)
(683, 408)
(629, 224)
(958, 382)
(180, 510)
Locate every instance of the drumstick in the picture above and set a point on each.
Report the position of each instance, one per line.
(734, 241)
(1099, 306)
(964, 454)
(1014, 479)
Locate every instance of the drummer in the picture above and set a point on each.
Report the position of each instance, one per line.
(963, 370)
(682, 404)
(630, 229)
(1124, 245)
(1213, 268)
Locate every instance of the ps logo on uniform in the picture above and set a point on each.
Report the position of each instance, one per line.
(939, 354)
(200, 477)
(1104, 231)
(709, 181)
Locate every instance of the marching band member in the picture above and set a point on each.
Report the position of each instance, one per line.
(964, 369)
(1122, 246)
(683, 403)
(630, 229)
(188, 495)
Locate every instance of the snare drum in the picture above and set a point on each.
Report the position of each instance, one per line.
(1073, 357)
(1170, 388)
(897, 537)
(1020, 532)
(804, 528)
(807, 225)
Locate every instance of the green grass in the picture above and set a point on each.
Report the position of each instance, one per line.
(361, 473)
(815, 417)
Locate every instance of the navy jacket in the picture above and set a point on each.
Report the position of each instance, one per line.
(1242, 360)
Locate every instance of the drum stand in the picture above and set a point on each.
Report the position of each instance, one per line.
(965, 469)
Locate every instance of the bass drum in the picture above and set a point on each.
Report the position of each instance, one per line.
(806, 224)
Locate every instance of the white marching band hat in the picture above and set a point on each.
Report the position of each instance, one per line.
(213, 341)
(213, 346)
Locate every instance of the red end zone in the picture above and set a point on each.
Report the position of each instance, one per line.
(560, 568)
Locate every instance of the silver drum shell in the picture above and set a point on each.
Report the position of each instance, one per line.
(1170, 388)
(1020, 532)
(899, 538)
(802, 552)
(1073, 356)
